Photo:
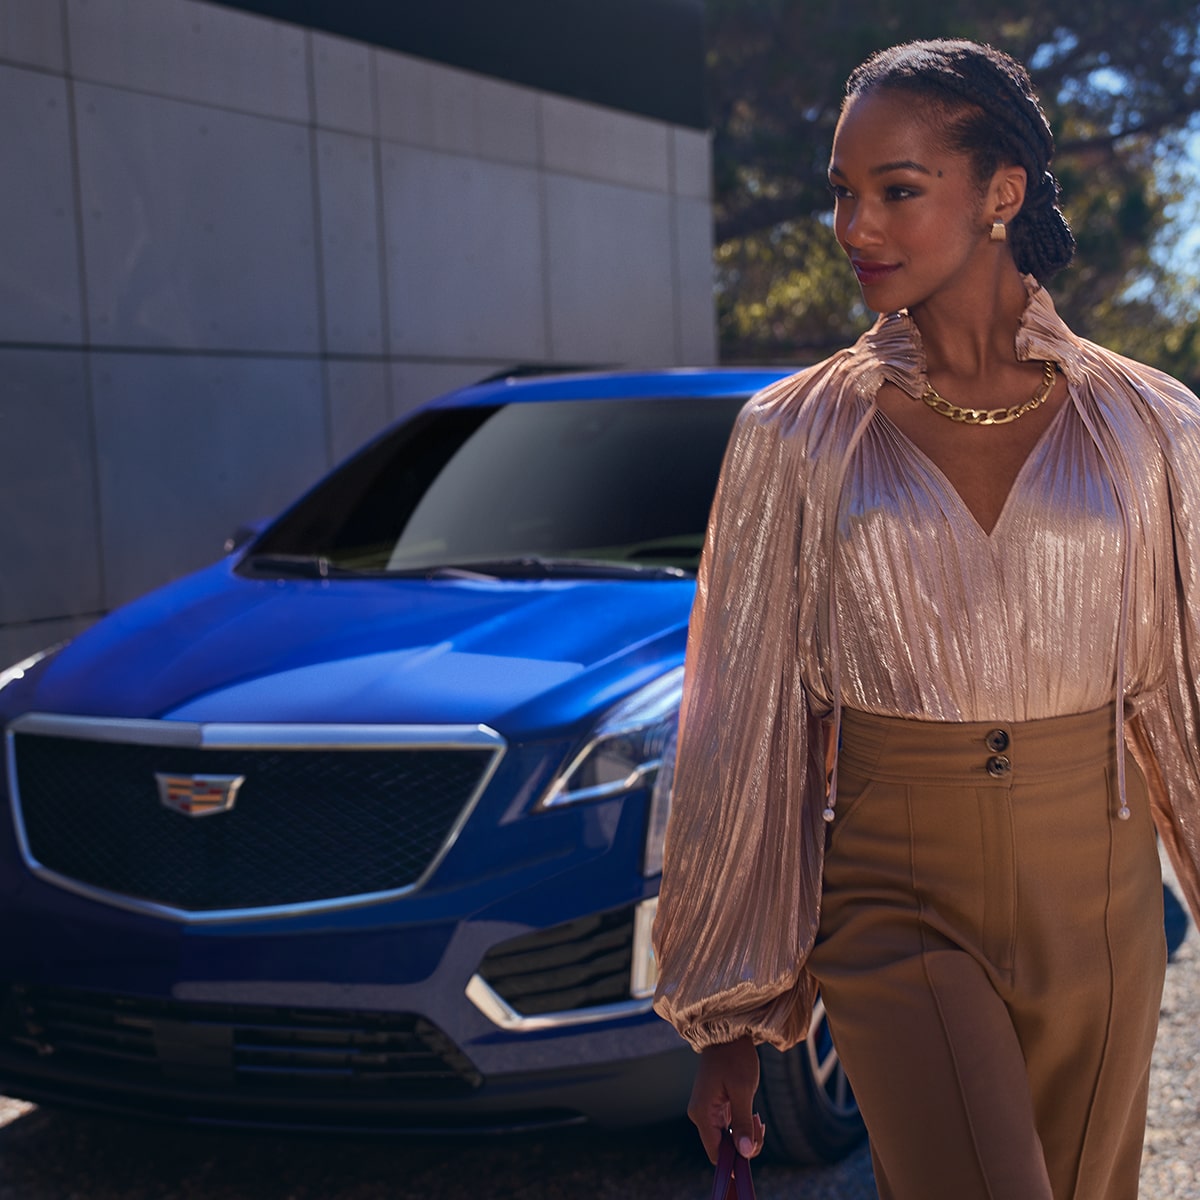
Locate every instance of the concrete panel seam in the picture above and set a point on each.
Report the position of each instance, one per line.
(385, 293)
(85, 319)
(544, 232)
(676, 273)
(318, 241)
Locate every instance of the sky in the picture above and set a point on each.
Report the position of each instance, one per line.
(1181, 246)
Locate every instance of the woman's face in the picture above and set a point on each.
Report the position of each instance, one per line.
(908, 212)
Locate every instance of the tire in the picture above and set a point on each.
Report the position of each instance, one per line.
(805, 1100)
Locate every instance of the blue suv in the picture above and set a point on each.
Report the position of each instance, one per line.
(361, 827)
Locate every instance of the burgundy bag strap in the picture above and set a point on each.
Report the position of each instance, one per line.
(733, 1172)
(724, 1173)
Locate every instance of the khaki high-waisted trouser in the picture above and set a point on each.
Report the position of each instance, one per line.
(991, 956)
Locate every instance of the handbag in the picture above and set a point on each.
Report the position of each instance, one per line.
(732, 1179)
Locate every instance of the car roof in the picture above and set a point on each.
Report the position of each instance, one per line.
(590, 385)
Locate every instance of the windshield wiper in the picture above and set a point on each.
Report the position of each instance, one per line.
(519, 566)
(304, 566)
(536, 566)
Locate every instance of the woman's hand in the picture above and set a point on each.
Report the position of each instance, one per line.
(723, 1097)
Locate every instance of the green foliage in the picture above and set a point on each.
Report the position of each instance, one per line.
(785, 291)
(1120, 80)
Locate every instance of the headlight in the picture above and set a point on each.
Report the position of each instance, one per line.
(660, 809)
(626, 748)
(17, 670)
(643, 973)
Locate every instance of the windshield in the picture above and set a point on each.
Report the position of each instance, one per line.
(517, 489)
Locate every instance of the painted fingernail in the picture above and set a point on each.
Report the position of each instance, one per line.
(745, 1146)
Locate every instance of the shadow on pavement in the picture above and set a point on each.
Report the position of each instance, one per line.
(54, 1155)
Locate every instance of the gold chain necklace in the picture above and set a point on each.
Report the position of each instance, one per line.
(990, 416)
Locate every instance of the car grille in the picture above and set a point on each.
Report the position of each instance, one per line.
(580, 964)
(256, 1050)
(307, 825)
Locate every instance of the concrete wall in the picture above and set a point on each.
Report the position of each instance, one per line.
(231, 249)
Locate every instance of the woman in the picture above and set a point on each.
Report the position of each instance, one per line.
(963, 552)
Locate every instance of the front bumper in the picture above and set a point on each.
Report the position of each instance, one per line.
(300, 1024)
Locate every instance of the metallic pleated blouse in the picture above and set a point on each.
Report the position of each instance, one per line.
(841, 569)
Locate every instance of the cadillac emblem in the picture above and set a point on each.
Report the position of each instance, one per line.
(198, 795)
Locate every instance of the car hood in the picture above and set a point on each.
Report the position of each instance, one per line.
(216, 647)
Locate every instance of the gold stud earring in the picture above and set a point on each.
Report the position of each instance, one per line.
(999, 231)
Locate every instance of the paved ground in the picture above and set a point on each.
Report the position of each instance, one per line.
(54, 1156)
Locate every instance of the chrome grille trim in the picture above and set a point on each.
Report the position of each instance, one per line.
(252, 736)
(501, 1013)
(246, 737)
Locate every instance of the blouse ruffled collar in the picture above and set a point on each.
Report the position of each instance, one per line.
(891, 350)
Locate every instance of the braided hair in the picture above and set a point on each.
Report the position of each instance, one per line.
(993, 116)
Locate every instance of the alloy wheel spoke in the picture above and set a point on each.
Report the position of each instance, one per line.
(841, 1091)
(825, 1067)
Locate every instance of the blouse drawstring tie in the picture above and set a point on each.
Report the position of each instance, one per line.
(835, 672)
(1125, 602)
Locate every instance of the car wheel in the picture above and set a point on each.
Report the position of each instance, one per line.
(805, 1099)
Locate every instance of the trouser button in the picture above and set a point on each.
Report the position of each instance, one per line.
(997, 741)
(998, 766)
